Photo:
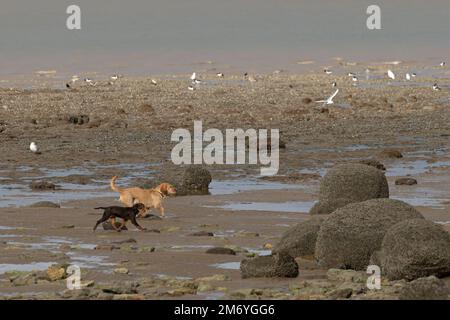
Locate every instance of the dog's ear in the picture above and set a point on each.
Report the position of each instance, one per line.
(163, 188)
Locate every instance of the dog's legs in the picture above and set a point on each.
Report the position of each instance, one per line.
(122, 225)
(113, 223)
(161, 210)
(101, 220)
(134, 222)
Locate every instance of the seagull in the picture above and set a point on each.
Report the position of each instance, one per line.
(391, 74)
(193, 76)
(327, 71)
(408, 76)
(351, 74)
(334, 84)
(330, 99)
(114, 77)
(89, 81)
(436, 87)
(442, 64)
(197, 81)
(75, 78)
(354, 78)
(191, 88)
(34, 148)
(413, 74)
(153, 81)
(220, 74)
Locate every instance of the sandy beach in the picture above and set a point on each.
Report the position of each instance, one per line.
(87, 134)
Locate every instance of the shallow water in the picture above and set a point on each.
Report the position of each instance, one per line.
(28, 267)
(227, 265)
(421, 201)
(223, 187)
(289, 206)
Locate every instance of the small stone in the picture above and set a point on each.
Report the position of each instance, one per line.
(340, 294)
(216, 277)
(221, 250)
(202, 234)
(405, 181)
(130, 240)
(390, 153)
(128, 297)
(44, 204)
(109, 247)
(42, 185)
(55, 273)
(121, 270)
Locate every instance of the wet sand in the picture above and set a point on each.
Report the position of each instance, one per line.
(125, 137)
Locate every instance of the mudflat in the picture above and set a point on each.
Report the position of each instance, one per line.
(87, 134)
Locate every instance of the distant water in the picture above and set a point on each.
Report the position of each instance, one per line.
(174, 36)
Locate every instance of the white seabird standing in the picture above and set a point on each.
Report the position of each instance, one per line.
(34, 148)
(391, 74)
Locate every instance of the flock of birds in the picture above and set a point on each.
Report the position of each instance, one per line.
(195, 82)
(390, 74)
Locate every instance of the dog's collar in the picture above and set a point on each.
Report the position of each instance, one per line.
(162, 194)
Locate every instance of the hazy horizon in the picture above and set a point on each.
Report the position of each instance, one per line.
(159, 36)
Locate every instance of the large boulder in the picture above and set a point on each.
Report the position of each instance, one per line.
(196, 180)
(429, 288)
(300, 240)
(278, 265)
(348, 237)
(349, 183)
(414, 249)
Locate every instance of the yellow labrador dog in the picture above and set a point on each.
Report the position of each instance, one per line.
(151, 198)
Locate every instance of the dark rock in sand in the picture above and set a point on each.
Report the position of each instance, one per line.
(343, 293)
(120, 287)
(306, 100)
(107, 247)
(196, 180)
(221, 250)
(77, 179)
(429, 288)
(152, 231)
(390, 153)
(300, 240)
(202, 234)
(278, 265)
(405, 181)
(147, 108)
(44, 204)
(374, 163)
(108, 226)
(42, 185)
(130, 240)
(349, 236)
(414, 249)
(80, 119)
(349, 183)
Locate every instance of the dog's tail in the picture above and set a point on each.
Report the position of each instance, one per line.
(113, 184)
(103, 208)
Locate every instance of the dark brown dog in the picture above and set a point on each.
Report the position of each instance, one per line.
(123, 213)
